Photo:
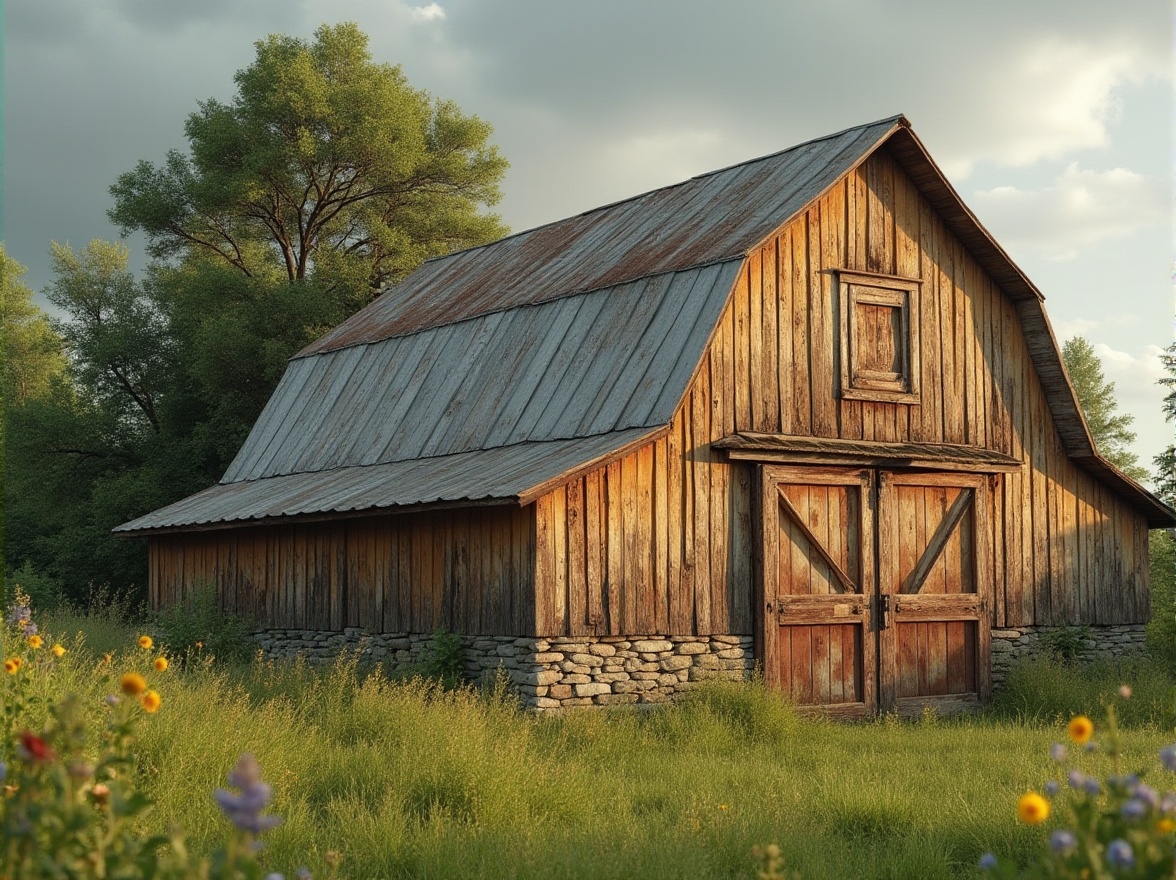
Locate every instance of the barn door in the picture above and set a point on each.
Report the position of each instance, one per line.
(934, 591)
(818, 571)
(874, 588)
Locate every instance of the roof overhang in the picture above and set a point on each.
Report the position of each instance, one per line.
(750, 446)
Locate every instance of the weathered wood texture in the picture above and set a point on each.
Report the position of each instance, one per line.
(470, 571)
(661, 541)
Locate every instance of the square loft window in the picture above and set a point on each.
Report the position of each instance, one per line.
(879, 337)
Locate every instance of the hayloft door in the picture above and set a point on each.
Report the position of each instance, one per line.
(874, 588)
(818, 570)
(933, 640)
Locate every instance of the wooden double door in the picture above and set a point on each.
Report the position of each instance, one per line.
(875, 588)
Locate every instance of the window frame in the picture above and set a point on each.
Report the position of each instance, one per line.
(895, 292)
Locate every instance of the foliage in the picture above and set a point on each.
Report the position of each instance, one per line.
(1117, 826)
(445, 659)
(1165, 462)
(43, 592)
(200, 627)
(1110, 429)
(31, 353)
(325, 164)
(1161, 628)
(1066, 643)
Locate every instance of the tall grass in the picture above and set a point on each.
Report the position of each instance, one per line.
(404, 779)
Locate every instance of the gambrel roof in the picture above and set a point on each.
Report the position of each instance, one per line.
(491, 374)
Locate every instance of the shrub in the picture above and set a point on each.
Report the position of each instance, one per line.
(200, 627)
(1161, 629)
(41, 591)
(445, 659)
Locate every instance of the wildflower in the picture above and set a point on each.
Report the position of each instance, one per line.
(275, 876)
(111, 700)
(151, 701)
(146, 643)
(100, 793)
(1125, 691)
(1133, 809)
(1063, 842)
(303, 873)
(987, 862)
(80, 770)
(1032, 808)
(1168, 804)
(1148, 795)
(244, 809)
(1166, 825)
(35, 642)
(1051, 788)
(12, 665)
(33, 748)
(30, 628)
(1058, 752)
(160, 663)
(19, 615)
(1081, 729)
(1168, 758)
(132, 684)
(1076, 778)
(1091, 786)
(107, 658)
(58, 650)
(1120, 854)
(200, 646)
(3, 771)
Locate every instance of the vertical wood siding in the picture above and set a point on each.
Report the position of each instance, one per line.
(661, 540)
(470, 571)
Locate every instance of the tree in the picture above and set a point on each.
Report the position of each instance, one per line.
(30, 351)
(326, 165)
(1165, 462)
(1111, 430)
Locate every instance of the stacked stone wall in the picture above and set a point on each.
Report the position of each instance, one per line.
(1090, 644)
(547, 673)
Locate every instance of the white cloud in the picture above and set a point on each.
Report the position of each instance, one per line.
(1136, 374)
(428, 13)
(1081, 209)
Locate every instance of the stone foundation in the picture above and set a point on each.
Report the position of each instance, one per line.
(551, 673)
(1096, 643)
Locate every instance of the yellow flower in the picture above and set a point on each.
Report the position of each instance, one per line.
(1166, 825)
(146, 643)
(160, 664)
(150, 701)
(12, 665)
(35, 642)
(1081, 729)
(132, 684)
(106, 658)
(1032, 808)
(58, 650)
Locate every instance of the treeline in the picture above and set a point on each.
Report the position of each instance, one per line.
(326, 178)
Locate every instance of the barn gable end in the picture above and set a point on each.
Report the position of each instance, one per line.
(594, 436)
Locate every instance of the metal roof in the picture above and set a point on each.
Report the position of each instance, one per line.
(505, 474)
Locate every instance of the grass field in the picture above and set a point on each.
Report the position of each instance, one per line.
(403, 780)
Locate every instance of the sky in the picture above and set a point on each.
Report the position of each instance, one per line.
(1053, 119)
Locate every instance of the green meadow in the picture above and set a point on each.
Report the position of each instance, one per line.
(375, 777)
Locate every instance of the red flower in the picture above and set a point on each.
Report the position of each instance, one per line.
(35, 748)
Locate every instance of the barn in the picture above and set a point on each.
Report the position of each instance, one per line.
(802, 413)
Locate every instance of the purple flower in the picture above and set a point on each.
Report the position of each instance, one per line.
(1168, 758)
(19, 615)
(244, 809)
(1168, 804)
(274, 876)
(1051, 788)
(1133, 809)
(1091, 786)
(30, 628)
(1147, 794)
(1062, 842)
(1058, 752)
(303, 873)
(1076, 778)
(987, 862)
(1120, 854)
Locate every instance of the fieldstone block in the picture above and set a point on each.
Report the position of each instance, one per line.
(587, 660)
(670, 664)
(706, 661)
(615, 699)
(601, 649)
(626, 686)
(576, 678)
(592, 689)
(547, 703)
(692, 648)
(652, 646)
(549, 657)
(559, 691)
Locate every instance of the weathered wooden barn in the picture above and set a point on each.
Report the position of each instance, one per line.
(802, 411)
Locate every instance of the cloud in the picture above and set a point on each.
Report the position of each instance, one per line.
(1081, 209)
(427, 13)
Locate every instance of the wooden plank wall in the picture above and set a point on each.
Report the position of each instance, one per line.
(469, 571)
(661, 540)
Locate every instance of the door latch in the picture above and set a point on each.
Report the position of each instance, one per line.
(884, 611)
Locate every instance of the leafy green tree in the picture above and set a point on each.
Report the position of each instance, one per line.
(31, 353)
(1110, 429)
(1165, 462)
(326, 166)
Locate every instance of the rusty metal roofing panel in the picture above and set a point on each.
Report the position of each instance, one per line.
(574, 367)
(707, 219)
(502, 474)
